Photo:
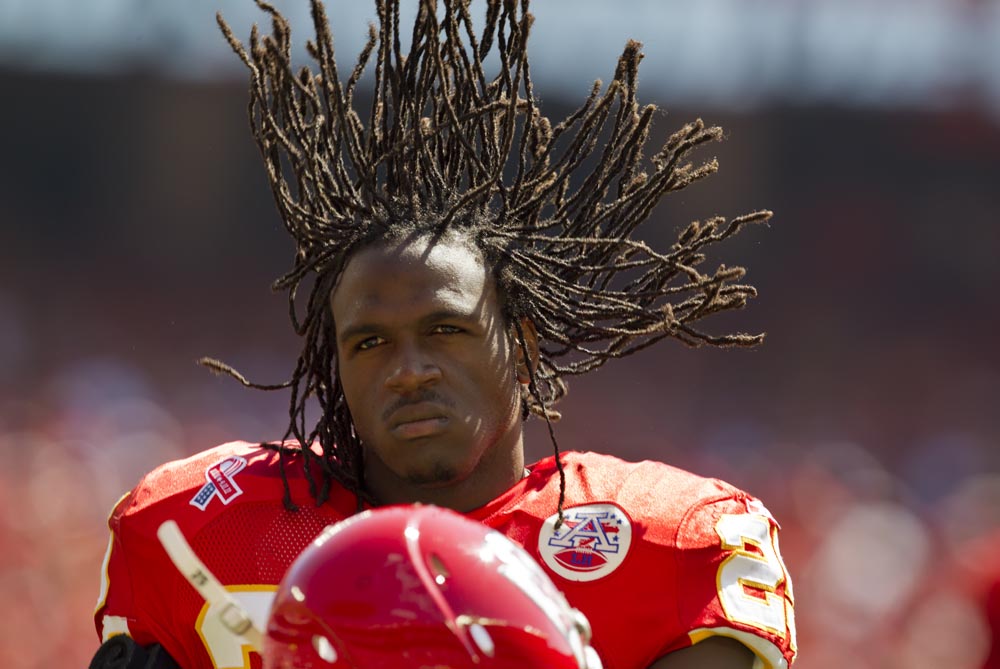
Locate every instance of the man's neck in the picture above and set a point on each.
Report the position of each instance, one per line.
(497, 472)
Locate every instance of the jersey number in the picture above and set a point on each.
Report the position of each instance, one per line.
(227, 650)
(749, 578)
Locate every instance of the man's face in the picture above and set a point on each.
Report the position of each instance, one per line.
(427, 364)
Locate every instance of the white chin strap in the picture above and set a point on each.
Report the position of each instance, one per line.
(589, 659)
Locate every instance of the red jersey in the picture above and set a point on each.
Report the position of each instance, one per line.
(655, 557)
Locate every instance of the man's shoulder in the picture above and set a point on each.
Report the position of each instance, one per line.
(229, 503)
(225, 466)
(216, 481)
(654, 495)
(598, 475)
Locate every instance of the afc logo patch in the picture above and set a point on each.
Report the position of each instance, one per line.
(221, 479)
(591, 543)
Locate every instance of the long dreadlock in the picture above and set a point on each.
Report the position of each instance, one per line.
(447, 148)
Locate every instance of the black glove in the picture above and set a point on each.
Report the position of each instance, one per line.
(121, 652)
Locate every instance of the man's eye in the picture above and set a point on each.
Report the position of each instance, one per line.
(446, 329)
(370, 342)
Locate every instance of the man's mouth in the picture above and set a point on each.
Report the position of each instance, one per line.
(422, 419)
(424, 427)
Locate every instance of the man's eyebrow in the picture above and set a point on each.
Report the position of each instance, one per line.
(449, 314)
(443, 314)
(356, 330)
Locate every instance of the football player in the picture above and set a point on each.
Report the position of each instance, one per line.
(462, 257)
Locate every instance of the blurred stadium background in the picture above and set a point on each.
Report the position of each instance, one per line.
(137, 234)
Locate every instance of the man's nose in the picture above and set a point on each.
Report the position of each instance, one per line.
(412, 369)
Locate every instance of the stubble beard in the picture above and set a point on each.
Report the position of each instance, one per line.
(439, 475)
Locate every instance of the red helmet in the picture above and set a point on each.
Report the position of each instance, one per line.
(421, 586)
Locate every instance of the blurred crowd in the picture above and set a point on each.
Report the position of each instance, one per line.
(890, 570)
(136, 235)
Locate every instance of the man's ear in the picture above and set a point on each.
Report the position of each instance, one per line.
(530, 334)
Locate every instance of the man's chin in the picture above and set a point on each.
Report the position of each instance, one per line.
(434, 475)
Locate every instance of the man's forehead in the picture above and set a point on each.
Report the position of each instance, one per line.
(443, 274)
(448, 254)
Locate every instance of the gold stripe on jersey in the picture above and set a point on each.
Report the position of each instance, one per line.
(225, 649)
(102, 596)
(766, 654)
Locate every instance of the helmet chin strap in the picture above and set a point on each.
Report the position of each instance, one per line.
(233, 616)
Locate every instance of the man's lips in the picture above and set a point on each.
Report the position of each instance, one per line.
(421, 419)
(420, 428)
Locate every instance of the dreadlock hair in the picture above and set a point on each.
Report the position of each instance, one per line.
(448, 148)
